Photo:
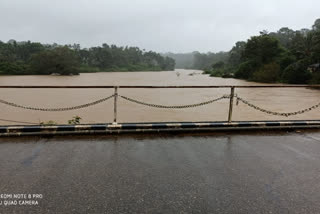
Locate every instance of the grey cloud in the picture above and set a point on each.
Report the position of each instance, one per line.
(159, 25)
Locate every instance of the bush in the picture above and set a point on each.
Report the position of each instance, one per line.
(285, 60)
(297, 73)
(12, 68)
(218, 65)
(75, 120)
(48, 123)
(246, 70)
(315, 78)
(267, 73)
(217, 73)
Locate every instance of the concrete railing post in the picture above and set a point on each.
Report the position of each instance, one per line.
(231, 105)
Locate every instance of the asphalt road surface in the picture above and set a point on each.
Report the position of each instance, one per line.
(221, 173)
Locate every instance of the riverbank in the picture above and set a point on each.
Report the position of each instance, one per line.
(81, 69)
(263, 78)
(29, 58)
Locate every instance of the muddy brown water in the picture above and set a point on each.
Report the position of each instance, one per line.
(276, 99)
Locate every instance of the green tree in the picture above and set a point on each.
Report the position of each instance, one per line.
(12, 68)
(262, 49)
(236, 53)
(259, 51)
(316, 25)
(267, 73)
(61, 60)
(297, 73)
(218, 65)
(284, 35)
(316, 47)
(246, 69)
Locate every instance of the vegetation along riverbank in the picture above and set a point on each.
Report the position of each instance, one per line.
(23, 58)
(287, 56)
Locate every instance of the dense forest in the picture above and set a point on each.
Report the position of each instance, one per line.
(21, 58)
(286, 56)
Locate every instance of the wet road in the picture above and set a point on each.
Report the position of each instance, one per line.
(222, 173)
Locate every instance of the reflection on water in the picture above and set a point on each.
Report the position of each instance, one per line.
(283, 100)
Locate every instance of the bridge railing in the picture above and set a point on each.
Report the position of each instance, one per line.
(231, 97)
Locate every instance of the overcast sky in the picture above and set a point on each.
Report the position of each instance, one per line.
(159, 25)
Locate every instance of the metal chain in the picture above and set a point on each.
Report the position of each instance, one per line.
(177, 106)
(57, 109)
(276, 113)
(164, 106)
(16, 121)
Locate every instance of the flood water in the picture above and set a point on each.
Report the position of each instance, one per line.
(275, 99)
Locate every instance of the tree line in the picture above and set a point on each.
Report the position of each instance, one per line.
(22, 58)
(287, 56)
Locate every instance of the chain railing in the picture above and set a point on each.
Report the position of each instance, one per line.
(284, 114)
(175, 106)
(56, 109)
(115, 95)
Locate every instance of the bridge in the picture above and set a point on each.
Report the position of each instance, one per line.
(177, 170)
(116, 127)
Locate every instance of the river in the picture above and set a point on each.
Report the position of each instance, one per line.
(276, 99)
